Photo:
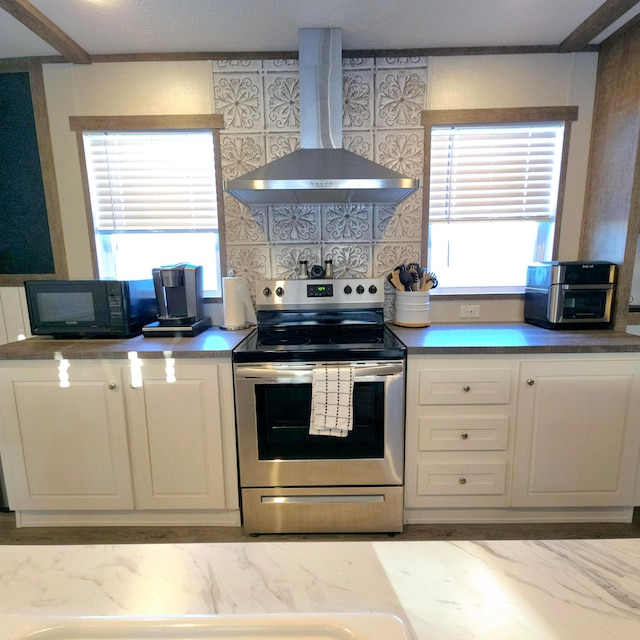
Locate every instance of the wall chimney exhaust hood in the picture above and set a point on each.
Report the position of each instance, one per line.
(321, 172)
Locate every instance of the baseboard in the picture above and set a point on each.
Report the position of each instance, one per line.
(221, 518)
(513, 515)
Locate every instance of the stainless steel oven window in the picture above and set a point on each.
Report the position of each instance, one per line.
(282, 423)
(380, 387)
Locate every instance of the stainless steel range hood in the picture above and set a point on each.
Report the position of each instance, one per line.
(321, 171)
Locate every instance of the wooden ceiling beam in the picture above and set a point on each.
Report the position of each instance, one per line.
(39, 24)
(601, 19)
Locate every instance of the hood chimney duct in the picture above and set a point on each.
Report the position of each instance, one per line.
(321, 171)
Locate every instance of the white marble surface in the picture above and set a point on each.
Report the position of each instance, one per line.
(444, 590)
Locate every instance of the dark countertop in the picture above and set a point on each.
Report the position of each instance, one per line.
(511, 337)
(446, 338)
(212, 343)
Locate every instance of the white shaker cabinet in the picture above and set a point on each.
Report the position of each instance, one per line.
(65, 447)
(176, 438)
(578, 433)
(151, 450)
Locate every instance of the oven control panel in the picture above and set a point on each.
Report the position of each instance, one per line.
(284, 294)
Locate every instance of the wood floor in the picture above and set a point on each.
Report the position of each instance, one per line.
(9, 534)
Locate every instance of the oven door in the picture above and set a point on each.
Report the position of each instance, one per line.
(273, 409)
(580, 303)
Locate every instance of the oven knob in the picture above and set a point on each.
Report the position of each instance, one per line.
(360, 289)
(266, 292)
(280, 292)
(373, 289)
(348, 290)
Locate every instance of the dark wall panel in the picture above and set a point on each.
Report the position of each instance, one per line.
(25, 240)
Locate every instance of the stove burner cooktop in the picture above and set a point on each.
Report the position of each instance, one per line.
(319, 320)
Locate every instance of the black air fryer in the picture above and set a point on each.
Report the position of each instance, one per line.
(570, 295)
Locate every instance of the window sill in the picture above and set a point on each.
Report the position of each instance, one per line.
(469, 294)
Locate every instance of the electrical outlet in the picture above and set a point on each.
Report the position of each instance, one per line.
(470, 311)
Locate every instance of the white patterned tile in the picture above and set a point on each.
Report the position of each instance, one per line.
(249, 261)
(281, 144)
(401, 150)
(279, 65)
(261, 108)
(387, 256)
(243, 224)
(357, 99)
(240, 154)
(347, 222)
(400, 96)
(360, 142)
(234, 66)
(399, 222)
(399, 62)
(238, 97)
(294, 223)
(358, 63)
(282, 101)
(286, 259)
(349, 260)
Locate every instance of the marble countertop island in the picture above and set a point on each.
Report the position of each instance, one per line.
(586, 589)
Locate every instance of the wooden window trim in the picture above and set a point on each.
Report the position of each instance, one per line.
(213, 122)
(439, 117)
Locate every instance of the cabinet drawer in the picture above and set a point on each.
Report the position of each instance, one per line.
(463, 433)
(482, 386)
(461, 479)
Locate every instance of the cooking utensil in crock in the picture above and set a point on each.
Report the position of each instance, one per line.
(394, 279)
(406, 278)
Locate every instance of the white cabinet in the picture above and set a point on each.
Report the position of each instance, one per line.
(176, 438)
(102, 444)
(65, 447)
(459, 417)
(514, 438)
(578, 433)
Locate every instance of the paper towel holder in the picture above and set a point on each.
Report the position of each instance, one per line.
(242, 302)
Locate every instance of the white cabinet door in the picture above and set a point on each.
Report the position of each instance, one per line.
(176, 441)
(65, 448)
(577, 433)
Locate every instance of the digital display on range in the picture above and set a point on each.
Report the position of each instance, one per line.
(319, 291)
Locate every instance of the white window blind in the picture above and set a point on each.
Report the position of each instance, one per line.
(152, 180)
(494, 172)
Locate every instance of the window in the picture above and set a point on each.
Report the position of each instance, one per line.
(494, 194)
(154, 199)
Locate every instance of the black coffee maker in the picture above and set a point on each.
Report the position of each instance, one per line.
(180, 295)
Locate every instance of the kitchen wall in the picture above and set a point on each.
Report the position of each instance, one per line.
(362, 241)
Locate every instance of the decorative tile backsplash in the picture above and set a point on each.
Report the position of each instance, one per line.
(382, 101)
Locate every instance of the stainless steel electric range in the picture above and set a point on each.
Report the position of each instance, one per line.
(292, 477)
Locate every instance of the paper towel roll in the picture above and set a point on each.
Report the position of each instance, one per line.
(238, 309)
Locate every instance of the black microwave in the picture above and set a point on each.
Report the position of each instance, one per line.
(90, 308)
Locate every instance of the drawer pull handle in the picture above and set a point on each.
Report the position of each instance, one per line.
(112, 386)
(462, 480)
(466, 388)
(464, 435)
(531, 382)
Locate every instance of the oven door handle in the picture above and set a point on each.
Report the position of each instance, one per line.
(377, 370)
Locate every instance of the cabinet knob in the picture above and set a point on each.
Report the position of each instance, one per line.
(464, 435)
(112, 386)
(466, 388)
(462, 480)
(531, 382)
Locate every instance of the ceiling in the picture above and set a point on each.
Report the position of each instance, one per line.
(83, 31)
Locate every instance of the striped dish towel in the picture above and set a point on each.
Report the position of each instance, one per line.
(331, 401)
